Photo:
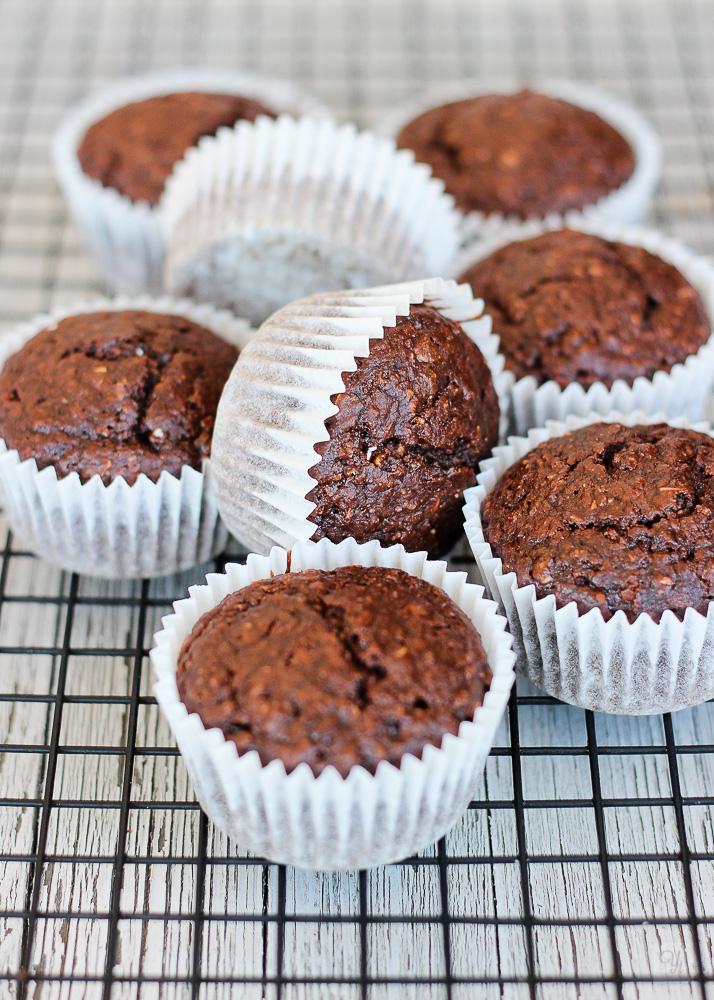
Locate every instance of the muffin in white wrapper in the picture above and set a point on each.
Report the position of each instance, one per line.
(271, 211)
(116, 531)
(124, 236)
(684, 391)
(330, 822)
(631, 668)
(274, 406)
(628, 203)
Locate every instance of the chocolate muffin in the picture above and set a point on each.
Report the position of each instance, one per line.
(353, 666)
(115, 394)
(522, 154)
(414, 421)
(573, 307)
(611, 517)
(134, 148)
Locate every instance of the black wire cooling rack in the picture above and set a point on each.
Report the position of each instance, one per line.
(584, 868)
(94, 842)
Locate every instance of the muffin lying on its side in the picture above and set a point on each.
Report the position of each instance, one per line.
(360, 414)
(414, 421)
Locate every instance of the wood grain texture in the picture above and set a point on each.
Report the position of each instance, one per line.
(360, 57)
(241, 900)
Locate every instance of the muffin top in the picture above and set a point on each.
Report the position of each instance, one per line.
(414, 420)
(521, 154)
(115, 394)
(573, 307)
(134, 148)
(352, 666)
(610, 517)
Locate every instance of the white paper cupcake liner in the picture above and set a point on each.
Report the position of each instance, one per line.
(331, 822)
(627, 204)
(116, 531)
(273, 409)
(126, 237)
(684, 391)
(629, 668)
(269, 212)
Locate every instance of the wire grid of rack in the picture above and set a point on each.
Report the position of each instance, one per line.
(584, 867)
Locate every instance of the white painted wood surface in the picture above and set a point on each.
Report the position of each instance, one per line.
(482, 887)
(359, 56)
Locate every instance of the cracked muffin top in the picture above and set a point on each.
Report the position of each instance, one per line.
(522, 154)
(353, 666)
(134, 148)
(573, 307)
(610, 517)
(414, 420)
(115, 394)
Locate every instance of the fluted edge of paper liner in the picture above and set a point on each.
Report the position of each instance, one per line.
(274, 406)
(683, 391)
(116, 531)
(331, 822)
(626, 204)
(628, 668)
(291, 208)
(126, 237)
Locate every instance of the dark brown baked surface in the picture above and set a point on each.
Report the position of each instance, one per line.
(354, 666)
(611, 517)
(573, 307)
(115, 394)
(415, 419)
(522, 154)
(134, 148)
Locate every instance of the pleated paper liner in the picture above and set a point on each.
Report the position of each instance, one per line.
(331, 822)
(126, 237)
(116, 531)
(273, 409)
(628, 668)
(269, 212)
(684, 391)
(626, 204)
